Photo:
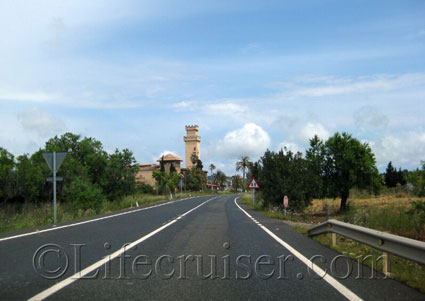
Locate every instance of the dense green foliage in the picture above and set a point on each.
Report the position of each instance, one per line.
(82, 194)
(220, 179)
(90, 174)
(237, 183)
(285, 173)
(394, 177)
(195, 179)
(329, 168)
(144, 189)
(348, 163)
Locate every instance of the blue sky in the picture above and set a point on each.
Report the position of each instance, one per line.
(252, 74)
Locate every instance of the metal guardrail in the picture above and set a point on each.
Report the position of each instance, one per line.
(401, 246)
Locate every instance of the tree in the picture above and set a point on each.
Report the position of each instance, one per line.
(390, 176)
(172, 181)
(243, 164)
(114, 173)
(401, 178)
(315, 160)
(212, 167)
(7, 164)
(348, 163)
(30, 178)
(253, 170)
(220, 178)
(161, 177)
(394, 177)
(194, 158)
(82, 194)
(285, 173)
(120, 174)
(173, 169)
(237, 183)
(199, 165)
(161, 180)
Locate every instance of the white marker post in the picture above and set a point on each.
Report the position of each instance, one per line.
(254, 186)
(285, 202)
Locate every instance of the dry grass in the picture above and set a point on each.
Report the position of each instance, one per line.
(319, 206)
(385, 213)
(30, 215)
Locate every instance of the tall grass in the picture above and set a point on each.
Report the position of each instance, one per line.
(30, 215)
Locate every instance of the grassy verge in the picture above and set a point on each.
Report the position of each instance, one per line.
(30, 215)
(385, 213)
(405, 271)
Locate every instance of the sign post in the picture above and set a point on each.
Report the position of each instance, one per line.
(54, 161)
(253, 185)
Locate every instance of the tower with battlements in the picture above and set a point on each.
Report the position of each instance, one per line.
(192, 144)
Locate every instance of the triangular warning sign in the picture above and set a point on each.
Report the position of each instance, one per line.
(60, 156)
(253, 184)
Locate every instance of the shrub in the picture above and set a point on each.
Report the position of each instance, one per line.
(145, 188)
(84, 195)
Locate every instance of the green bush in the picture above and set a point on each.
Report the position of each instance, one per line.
(84, 195)
(145, 188)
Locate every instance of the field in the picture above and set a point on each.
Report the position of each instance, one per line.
(387, 212)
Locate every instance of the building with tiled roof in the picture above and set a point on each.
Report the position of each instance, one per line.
(192, 146)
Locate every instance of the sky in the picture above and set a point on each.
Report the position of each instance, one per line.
(254, 75)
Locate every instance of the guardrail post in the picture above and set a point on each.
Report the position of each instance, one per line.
(333, 239)
(386, 264)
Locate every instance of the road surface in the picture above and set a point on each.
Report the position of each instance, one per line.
(200, 248)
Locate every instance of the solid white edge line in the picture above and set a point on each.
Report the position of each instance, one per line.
(329, 279)
(60, 285)
(91, 220)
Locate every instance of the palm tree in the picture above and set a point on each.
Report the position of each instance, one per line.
(220, 179)
(243, 164)
(212, 167)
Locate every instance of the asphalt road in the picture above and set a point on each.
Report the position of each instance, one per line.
(200, 248)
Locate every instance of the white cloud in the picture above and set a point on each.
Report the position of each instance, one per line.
(405, 152)
(40, 122)
(164, 153)
(321, 86)
(27, 96)
(225, 108)
(293, 147)
(250, 140)
(184, 105)
(311, 129)
(368, 116)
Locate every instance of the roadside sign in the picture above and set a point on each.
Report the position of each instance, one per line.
(50, 179)
(253, 184)
(60, 156)
(54, 161)
(285, 201)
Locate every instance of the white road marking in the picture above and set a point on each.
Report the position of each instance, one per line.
(90, 221)
(60, 285)
(329, 279)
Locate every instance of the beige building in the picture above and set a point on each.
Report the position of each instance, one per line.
(192, 145)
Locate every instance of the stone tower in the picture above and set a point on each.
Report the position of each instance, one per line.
(193, 144)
